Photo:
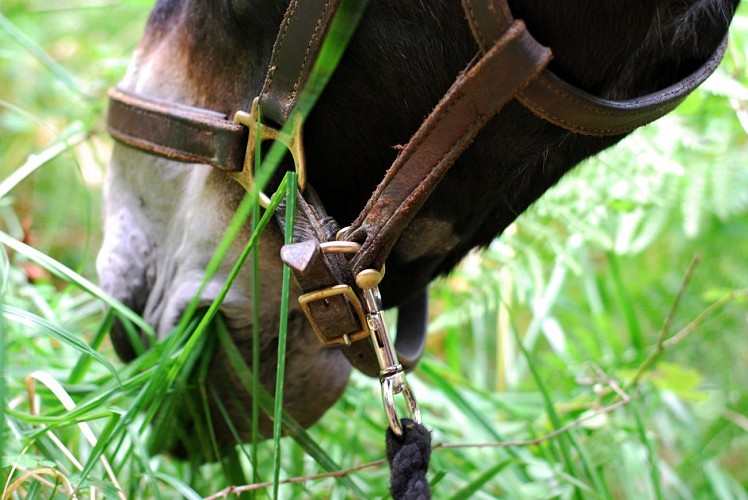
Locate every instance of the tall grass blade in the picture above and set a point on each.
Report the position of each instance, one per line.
(564, 442)
(266, 403)
(65, 273)
(449, 390)
(35, 322)
(723, 486)
(627, 307)
(475, 485)
(598, 485)
(652, 458)
(32, 48)
(144, 459)
(180, 487)
(214, 396)
(4, 272)
(283, 334)
(73, 135)
(84, 362)
(256, 332)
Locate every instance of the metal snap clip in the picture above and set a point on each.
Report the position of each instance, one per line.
(391, 373)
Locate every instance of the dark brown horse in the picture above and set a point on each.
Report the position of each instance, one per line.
(163, 218)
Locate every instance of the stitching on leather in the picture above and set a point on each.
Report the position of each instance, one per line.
(475, 27)
(410, 151)
(312, 42)
(211, 155)
(411, 148)
(648, 113)
(556, 120)
(559, 92)
(375, 237)
(271, 70)
(372, 236)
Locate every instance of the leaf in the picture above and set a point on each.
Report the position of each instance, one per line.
(27, 462)
(481, 480)
(182, 488)
(681, 381)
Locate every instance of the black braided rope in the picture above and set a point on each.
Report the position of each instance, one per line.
(409, 456)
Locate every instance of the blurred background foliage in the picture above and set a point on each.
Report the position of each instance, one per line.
(539, 329)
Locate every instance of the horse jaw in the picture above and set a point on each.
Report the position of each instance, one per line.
(163, 222)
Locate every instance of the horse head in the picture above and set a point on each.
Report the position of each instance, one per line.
(164, 218)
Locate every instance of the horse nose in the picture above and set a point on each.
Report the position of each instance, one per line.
(127, 339)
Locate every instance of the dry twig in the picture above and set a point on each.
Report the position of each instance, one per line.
(233, 490)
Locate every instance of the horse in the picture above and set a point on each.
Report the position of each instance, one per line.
(163, 218)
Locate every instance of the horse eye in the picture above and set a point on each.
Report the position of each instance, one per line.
(237, 9)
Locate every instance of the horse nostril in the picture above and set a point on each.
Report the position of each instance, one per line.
(120, 338)
(295, 317)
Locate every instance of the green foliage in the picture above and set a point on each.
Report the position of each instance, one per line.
(557, 320)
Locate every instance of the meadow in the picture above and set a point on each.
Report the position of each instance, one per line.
(598, 349)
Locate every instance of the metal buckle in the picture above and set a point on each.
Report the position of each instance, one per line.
(293, 143)
(347, 292)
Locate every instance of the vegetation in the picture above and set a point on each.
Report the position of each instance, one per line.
(583, 354)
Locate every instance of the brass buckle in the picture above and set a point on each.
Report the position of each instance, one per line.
(347, 292)
(292, 142)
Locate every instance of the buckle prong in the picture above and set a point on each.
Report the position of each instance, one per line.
(326, 293)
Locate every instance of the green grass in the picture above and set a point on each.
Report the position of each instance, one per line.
(554, 328)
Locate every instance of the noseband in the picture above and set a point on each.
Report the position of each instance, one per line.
(339, 270)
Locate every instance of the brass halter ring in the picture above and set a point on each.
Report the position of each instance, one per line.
(259, 133)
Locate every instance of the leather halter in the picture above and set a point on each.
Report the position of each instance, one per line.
(197, 135)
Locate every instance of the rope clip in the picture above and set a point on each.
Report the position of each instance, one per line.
(391, 373)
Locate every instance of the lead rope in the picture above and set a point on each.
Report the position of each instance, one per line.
(408, 456)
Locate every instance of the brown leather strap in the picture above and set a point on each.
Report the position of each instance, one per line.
(569, 107)
(176, 131)
(334, 316)
(300, 37)
(474, 98)
(564, 105)
(412, 324)
(488, 20)
(299, 40)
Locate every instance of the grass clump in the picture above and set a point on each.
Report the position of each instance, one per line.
(558, 363)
